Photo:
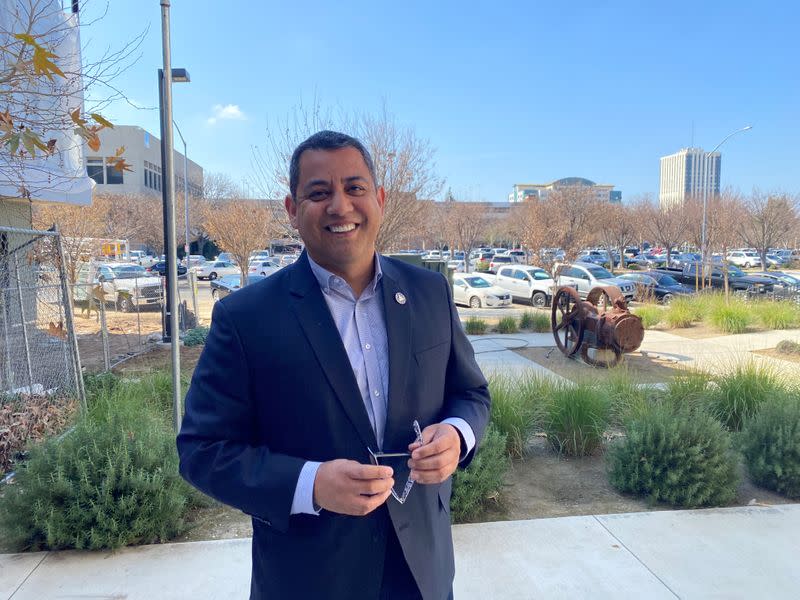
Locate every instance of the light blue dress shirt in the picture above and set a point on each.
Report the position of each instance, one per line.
(362, 327)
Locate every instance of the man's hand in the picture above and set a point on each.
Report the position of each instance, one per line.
(437, 458)
(350, 488)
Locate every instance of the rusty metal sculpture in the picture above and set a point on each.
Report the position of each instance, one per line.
(600, 327)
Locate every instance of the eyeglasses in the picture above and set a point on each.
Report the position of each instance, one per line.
(398, 459)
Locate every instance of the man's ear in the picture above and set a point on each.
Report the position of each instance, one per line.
(291, 210)
(381, 197)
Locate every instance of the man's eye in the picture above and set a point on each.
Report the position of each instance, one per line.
(357, 190)
(317, 195)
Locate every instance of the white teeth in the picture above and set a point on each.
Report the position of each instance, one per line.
(342, 228)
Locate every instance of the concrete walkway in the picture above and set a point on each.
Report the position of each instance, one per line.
(717, 553)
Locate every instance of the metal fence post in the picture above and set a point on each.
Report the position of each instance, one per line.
(24, 326)
(69, 313)
(104, 329)
(9, 373)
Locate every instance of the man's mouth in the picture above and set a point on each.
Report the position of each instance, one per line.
(347, 227)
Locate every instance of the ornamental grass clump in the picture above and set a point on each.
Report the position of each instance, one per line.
(681, 458)
(627, 397)
(535, 321)
(479, 485)
(689, 391)
(681, 313)
(475, 326)
(776, 314)
(650, 314)
(770, 444)
(740, 392)
(110, 481)
(576, 418)
(514, 411)
(196, 336)
(730, 317)
(507, 325)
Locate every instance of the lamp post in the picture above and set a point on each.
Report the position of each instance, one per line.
(165, 79)
(705, 190)
(185, 193)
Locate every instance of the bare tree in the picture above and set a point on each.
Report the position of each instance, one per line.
(667, 227)
(616, 228)
(78, 225)
(464, 223)
(768, 221)
(404, 166)
(239, 227)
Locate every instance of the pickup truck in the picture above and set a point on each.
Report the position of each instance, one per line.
(738, 281)
(127, 286)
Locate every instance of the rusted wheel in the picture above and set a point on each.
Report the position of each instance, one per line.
(606, 357)
(567, 320)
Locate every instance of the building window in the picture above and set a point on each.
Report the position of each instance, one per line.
(94, 169)
(112, 175)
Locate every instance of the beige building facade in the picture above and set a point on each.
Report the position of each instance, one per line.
(688, 173)
(603, 192)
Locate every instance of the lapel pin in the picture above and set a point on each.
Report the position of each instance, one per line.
(400, 298)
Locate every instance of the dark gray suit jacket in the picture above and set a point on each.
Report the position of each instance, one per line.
(274, 388)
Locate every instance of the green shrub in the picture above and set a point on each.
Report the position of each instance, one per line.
(730, 317)
(482, 267)
(475, 326)
(742, 390)
(507, 325)
(196, 336)
(777, 315)
(109, 482)
(650, 315)
(634, 267)
(514, 410)
(788, 347)
(684, 459)
(576, 418)
(770, 443)
(681, 313)
(535, 321)
(480, 483)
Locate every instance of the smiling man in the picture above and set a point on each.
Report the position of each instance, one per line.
(314, 381)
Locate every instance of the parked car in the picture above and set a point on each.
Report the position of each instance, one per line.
(648, 260)
(226, 285)
(287, 259)
(264, 268)
(498, 260)
(160, 268)
(218, 268)
(195, 260)
(744, 258)
(773, 260)
(678, 259)
(738, 280)
(662, 288)
(474, 291)
(482, 260)
(531, 284)
(140, 257)
(456, 265)
(585, 276)
(126, 286)
(786, 286)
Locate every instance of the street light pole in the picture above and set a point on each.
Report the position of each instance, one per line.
(165, 78)
(185, 194)
(705, 190)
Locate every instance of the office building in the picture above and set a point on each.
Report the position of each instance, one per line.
(688, 173)
(143, 154)
(601, 191)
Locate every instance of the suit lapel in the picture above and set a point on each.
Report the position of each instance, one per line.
(397, 303)
(312, 312)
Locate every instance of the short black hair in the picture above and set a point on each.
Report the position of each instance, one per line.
(327, 140)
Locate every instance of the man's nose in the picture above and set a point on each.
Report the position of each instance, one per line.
(339, 203)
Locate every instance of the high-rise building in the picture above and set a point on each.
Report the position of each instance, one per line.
(602, 191)
(688, 173)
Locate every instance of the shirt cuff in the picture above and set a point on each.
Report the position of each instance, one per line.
(467, 435)
(303, 502)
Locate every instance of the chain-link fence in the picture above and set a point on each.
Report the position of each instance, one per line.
(38, 350)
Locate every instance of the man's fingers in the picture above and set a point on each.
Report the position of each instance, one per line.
(358, 471)
(370, 487)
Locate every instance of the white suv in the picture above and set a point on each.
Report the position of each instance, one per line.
(744, 258)
(584, 276)
(530, 284)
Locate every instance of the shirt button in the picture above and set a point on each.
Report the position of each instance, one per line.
(377, 393)
(367, 346)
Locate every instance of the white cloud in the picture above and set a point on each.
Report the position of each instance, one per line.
(229, 112)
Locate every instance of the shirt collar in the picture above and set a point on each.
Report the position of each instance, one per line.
(328, 280)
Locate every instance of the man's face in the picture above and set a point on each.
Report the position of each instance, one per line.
(338, 210)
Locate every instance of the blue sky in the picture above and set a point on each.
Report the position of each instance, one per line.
(507, 92)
